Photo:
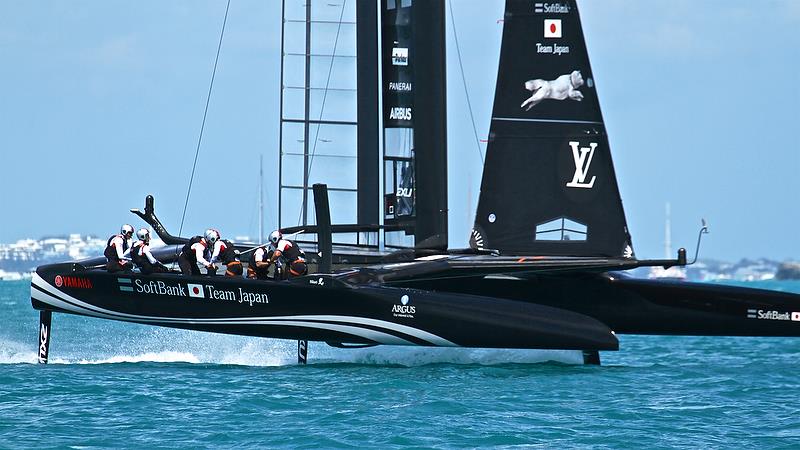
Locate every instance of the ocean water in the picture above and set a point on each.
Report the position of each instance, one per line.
(114, 384)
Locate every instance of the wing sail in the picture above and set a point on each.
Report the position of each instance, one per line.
(548, 185)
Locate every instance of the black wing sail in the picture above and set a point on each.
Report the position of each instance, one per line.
(548, 183)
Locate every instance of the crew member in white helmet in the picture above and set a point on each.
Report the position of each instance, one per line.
(117, 249)
(289, 253)
(225, 252)
(141, 256)
(194, 252)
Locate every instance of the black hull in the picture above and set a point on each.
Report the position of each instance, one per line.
(638, 306)
(317, 308)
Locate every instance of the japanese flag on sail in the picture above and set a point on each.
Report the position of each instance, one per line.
(552, 28)
(196, 290)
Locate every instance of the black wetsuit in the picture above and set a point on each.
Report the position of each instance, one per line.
(143, 263)
(253, 271)
(294, 259)
(115, 264)
(230, 257)
(187, 260)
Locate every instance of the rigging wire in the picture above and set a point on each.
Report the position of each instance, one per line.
(205, 114)
(464, 81)
(324, 97)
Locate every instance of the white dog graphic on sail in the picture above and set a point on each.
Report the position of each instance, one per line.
(563, 87)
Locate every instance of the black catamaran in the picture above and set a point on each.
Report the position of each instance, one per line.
(549, 245)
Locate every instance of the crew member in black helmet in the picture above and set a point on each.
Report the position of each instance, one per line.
(293, 258)
(116, 250)
(225, 251)
(141, 256)
(194, 252)
(258, 264)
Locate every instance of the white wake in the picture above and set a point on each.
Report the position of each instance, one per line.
(180, 346)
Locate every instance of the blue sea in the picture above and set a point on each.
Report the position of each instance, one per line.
(112, 384)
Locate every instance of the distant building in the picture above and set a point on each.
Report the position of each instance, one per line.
(788, 271)
(25, 255)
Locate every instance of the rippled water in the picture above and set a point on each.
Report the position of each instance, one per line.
(113, 384)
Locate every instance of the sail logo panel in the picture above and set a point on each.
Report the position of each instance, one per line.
(548, 158)
(398, 68)
(544, 67)
(399, 158)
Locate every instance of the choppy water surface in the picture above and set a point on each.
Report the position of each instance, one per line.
(113, 384)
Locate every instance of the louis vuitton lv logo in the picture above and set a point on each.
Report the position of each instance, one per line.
(583, 159)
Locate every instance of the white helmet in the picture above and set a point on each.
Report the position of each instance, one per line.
(126, 230)
(143, 234)
(275, 236)
(212, 235)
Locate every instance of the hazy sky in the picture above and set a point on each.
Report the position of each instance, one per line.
(101, 103)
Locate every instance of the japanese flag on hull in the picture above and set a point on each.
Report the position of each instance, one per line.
(552, 28)
(196, 290)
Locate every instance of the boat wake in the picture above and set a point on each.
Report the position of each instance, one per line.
(13, 352)
(156, 357)
(178, 346)
(421, 356)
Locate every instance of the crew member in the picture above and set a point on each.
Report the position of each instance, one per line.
(212, 237)
(117, 248)
(194, 252)
(225, 251)
(141, 256)
(288, 252)
(258, 264)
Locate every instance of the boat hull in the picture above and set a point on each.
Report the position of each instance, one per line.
(316, 308)
(640, 306)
